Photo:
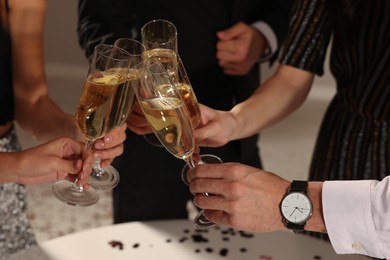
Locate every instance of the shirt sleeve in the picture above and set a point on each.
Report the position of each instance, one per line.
(356, 215)
(101, 21)
(308, 36)
(270, 36)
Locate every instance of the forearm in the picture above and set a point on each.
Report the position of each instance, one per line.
(35, 112)
(10, 166)
(274, 100)
(44, 119)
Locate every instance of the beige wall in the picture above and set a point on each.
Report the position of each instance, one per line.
(62, 51)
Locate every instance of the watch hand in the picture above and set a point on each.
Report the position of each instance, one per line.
(295, 208)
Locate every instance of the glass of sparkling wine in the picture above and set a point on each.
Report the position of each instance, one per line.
(183, 85)
(97, 113)
(167, 114)
(160, 40)
(108, 177)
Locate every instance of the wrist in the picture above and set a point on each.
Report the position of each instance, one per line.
(296, 206)
(10, 174)
(270, 37)
(316, 222)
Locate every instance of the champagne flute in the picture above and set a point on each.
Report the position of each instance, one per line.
(159, 34)
(160, 40)
(108, 178)
(115, 63)
(93, 113)
(167, 114)
(183, 84)
(159, 37)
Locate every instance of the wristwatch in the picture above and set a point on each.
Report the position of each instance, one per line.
(296, 206)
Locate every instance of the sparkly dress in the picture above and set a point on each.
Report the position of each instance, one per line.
(354, 138)
(15, 231)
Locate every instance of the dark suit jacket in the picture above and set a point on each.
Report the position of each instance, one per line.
(197, 23)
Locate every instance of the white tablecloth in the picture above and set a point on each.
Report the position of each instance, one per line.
(176, 239)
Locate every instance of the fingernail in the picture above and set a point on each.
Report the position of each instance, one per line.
(97, 156)
(108, 138)
(99, 145)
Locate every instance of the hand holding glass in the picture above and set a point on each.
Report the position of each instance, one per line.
(108, 177)
(97, 113)
(112, 71)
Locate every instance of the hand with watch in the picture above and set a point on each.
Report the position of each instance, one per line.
(296, 207)
(251, 199)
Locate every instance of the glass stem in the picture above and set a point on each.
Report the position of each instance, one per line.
(97, 169)
(75, 186)
(190, 162)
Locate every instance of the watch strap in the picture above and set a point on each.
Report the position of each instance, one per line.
(296, 228)
(299, 186)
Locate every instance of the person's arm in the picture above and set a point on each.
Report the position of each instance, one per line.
(303, 56)
(248, 197)
(278, 97)
(273, 24)
(49, 161)
(35, 112)
(270, 38)
(357, 216)
(239, 48)
(246, 43)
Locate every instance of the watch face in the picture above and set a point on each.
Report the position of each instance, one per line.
(296, 207)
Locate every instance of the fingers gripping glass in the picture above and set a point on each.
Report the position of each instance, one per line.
(100, 109)
(108, 178)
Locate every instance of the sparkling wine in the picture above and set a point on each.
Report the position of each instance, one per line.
(92, 115)
(168, 58)
(169, 121)
(124, 99)
(189, 99)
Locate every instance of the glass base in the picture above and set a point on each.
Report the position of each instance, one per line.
(152, 139)
(70, 194)
(201, 222)
(105, 180)
(204, 158)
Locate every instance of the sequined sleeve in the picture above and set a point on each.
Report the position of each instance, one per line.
(309, 35)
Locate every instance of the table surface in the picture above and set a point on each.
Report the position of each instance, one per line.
(177, 239)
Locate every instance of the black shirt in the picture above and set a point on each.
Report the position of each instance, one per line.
(6, 90)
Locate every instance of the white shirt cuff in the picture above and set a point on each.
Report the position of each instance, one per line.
(270, 36)
(348, 217)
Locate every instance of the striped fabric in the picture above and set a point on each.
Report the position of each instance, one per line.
(354, 138)
(353, 142)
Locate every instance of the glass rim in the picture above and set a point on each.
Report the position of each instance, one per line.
(101, 47)
(170, 40)
(140, 44)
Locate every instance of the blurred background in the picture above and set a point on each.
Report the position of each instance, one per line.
(285, 148)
